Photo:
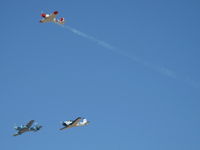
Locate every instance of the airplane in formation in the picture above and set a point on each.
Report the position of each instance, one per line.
(74, 123)
(27, 128)
(52, 18)
(67, 124)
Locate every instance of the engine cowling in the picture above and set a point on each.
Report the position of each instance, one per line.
(43, 15)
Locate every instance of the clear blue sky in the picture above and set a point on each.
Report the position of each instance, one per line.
(50, 74)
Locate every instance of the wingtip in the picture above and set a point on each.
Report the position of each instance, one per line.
(55, 12)
(15, 134)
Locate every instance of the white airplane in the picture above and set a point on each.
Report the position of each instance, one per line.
(25, 128)
(52, 18)
(76, 123)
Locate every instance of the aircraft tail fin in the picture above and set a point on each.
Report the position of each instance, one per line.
(61, 21)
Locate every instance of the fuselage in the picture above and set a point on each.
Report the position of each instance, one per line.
(23, 130)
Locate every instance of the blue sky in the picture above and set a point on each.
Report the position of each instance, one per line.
(50, 74)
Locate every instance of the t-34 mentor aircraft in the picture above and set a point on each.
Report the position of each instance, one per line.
(51, 18)
(25, 128)
(75, 123)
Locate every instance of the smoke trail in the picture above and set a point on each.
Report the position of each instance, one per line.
(163, 70)
(99, 42)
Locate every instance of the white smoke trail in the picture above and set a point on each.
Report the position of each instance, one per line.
(163, 70)
(102, 43)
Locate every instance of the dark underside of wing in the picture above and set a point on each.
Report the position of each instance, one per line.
(63, 128)
(30, 123)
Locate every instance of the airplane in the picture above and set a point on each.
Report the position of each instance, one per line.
(51, 18)
(75, 123)
(26, 128)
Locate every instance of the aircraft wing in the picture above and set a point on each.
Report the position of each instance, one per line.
(30, 123)
(44, 20)
(16, 134)
(66, 127)
(63, 128)
(53, 15)
(76, 121)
